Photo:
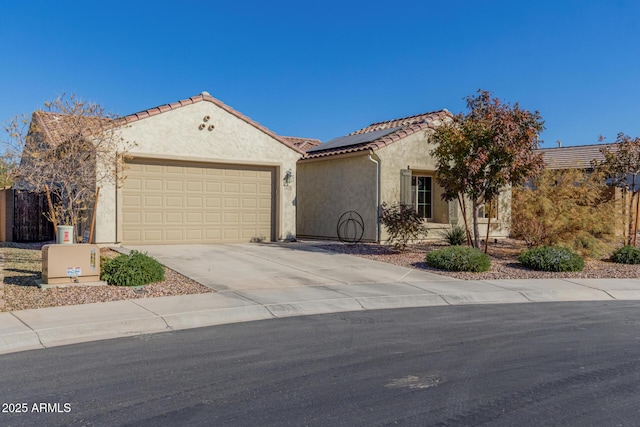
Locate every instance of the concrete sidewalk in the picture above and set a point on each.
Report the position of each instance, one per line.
(47, 327)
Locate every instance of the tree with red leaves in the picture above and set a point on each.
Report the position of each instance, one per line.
(483, 152)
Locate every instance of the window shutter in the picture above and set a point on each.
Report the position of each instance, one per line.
(405, 186)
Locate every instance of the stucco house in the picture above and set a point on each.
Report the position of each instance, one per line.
(201, 172)
(342, 183)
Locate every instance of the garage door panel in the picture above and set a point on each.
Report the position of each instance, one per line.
(152, 217)
(149, 169)
(231, 203)
(173, 201)
(249, 203)
(195, 186)
(152, 202)
(193, 202)
(212, 234)
(213, 202)
(194, 218)
(153, 185)
(174, 185)
(231, 217)
(231, 187)
(174, 217)
(213, 217)
(133, 217)
(184, 202)
(153, 235)
(194, 235)
(213, 187)
(174, 234)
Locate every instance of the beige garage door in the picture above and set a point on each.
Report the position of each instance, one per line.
(167, 203)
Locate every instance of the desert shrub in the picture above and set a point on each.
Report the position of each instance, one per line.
(135, 269)
(403, 224)
(551, 258)
(567, 208)
(626, 255)
(459, 258)
(455, 236)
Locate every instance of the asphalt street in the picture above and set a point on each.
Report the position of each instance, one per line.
(561, 364)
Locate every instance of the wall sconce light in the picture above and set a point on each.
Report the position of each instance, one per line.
(206, 118)
(288, 178)
(201, 126)
(211, 127)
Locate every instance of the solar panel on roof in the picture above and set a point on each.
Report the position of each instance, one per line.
(349, 140)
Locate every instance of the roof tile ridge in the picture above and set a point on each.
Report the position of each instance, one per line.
(397, 122)
(42, 123)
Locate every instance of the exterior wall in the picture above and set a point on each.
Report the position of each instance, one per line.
(413, 152)
(329, 188)
(176, 135)
(500, 226)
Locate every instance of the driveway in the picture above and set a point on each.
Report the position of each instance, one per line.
(253, 266)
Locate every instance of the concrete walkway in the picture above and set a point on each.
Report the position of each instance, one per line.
(257, 282)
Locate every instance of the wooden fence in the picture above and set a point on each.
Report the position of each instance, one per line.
(29, 222)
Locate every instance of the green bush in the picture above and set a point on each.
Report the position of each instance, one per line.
(403, 224)
(551, 258)
(626, 255)
(459, 258)
(135, 269)
(455, 236)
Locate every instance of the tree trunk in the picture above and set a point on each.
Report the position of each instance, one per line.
(476, 232)
(463, 208)
(630, 219)
(486, 241)
(635, 219)
(625, 204)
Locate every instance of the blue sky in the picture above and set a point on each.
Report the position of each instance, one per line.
(324, 69)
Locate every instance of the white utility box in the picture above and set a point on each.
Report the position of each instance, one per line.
(70, 263)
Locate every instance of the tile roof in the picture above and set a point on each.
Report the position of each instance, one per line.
(407, 126)
(575, 157)
(55, 126)
(302, 143)
(59, 127)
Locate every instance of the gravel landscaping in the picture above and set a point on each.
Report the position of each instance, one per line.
(22, 265)
(504, 262)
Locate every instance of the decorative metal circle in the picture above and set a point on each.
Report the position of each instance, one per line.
(350, 227)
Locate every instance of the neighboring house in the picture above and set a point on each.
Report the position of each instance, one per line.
(348, 178)
(201, 172)
(575, 157)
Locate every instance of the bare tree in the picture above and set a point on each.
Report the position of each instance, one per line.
(68, 150)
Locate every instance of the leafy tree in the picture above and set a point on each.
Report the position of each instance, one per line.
(621, 165)
(568, 208)
(68, 150)
(481, 153)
